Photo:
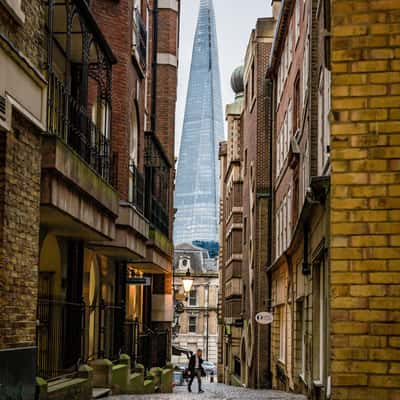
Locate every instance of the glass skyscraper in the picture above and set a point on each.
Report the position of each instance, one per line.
(196, 194)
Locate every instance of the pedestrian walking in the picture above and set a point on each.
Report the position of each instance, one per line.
(196, 369)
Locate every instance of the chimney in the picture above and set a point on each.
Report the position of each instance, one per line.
(276, 7)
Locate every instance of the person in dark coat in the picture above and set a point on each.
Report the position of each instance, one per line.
(196, 369)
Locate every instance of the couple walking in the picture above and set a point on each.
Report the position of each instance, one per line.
(196, 369)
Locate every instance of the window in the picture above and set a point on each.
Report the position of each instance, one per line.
(296, 105)
(319, 305)
(305, 166)
(282, 333)
(192, 324)
(253, 81)
(297, 21)
(301, 337)
(245, 162)
(306, 64)
(193, 297)
(245, 230)
(327, 110)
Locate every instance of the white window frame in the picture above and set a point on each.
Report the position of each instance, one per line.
(193, 304)
(282, 334)
(297, 21)
(192, 317)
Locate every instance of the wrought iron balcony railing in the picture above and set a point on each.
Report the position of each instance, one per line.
(159, 216)
(68, 120)
(136, 196)
(139, 38)
(157, 167)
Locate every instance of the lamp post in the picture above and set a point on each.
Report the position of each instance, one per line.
(187, 282)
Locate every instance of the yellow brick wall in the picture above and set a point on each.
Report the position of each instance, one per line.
(365, 217)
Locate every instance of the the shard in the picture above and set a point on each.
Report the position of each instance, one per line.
(196, 194)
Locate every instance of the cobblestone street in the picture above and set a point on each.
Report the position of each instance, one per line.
(216, 391)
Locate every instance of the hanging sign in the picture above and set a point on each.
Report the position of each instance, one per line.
(138, 280)
(264, 318)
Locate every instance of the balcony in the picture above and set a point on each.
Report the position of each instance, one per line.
(79, 63)
(69, 120)
(139, 40)
(136, 188)
(157, 175)
(77, 194)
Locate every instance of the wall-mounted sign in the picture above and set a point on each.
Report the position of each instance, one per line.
(239, 323)
(138, 280)
(180, 296)
(264, 318)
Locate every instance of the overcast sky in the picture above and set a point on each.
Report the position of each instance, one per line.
(235, 20)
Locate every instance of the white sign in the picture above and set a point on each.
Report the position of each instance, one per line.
(264, 318)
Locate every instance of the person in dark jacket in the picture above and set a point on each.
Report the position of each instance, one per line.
(196, 369)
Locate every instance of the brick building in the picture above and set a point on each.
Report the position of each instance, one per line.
(22, 118)
(231, 232)
(198, 323)
(244, 210)
(300, 138)
(90, 141)
(332, 122)
(334, 292)
(364, 326)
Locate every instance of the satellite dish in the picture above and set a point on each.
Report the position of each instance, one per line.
(264, 318)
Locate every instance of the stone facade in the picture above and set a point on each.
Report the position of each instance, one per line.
(198, 324)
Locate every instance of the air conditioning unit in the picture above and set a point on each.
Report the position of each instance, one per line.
(5, 114)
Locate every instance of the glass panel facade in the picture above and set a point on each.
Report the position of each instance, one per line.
(196, 195)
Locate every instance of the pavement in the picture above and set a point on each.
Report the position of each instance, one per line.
(215, 391)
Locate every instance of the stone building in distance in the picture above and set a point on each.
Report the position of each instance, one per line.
(197, 325)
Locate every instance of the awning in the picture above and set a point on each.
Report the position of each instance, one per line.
(178, 351)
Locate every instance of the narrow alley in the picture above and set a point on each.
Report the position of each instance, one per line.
(216, 391)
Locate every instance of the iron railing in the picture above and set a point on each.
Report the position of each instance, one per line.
(140, 37)
(137, 188)
(148, 347)
(111, 326)
(69, 120)
(131, 340)
(60, 337)
(159, 216)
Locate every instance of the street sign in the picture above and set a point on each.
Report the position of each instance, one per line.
(138, 280)
(264, 318)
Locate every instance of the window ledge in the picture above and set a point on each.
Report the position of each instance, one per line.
(14, 8)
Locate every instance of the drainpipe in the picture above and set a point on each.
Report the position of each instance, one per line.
(270, 129)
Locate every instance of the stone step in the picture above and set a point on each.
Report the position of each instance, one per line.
(99, 393)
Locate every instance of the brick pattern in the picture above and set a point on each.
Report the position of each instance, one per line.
(19, 233)
(30, 40)
(255, 159)
(365, 253)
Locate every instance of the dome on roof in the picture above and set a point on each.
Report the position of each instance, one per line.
(237, 80)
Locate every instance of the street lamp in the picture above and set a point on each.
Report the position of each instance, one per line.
(187, 282)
